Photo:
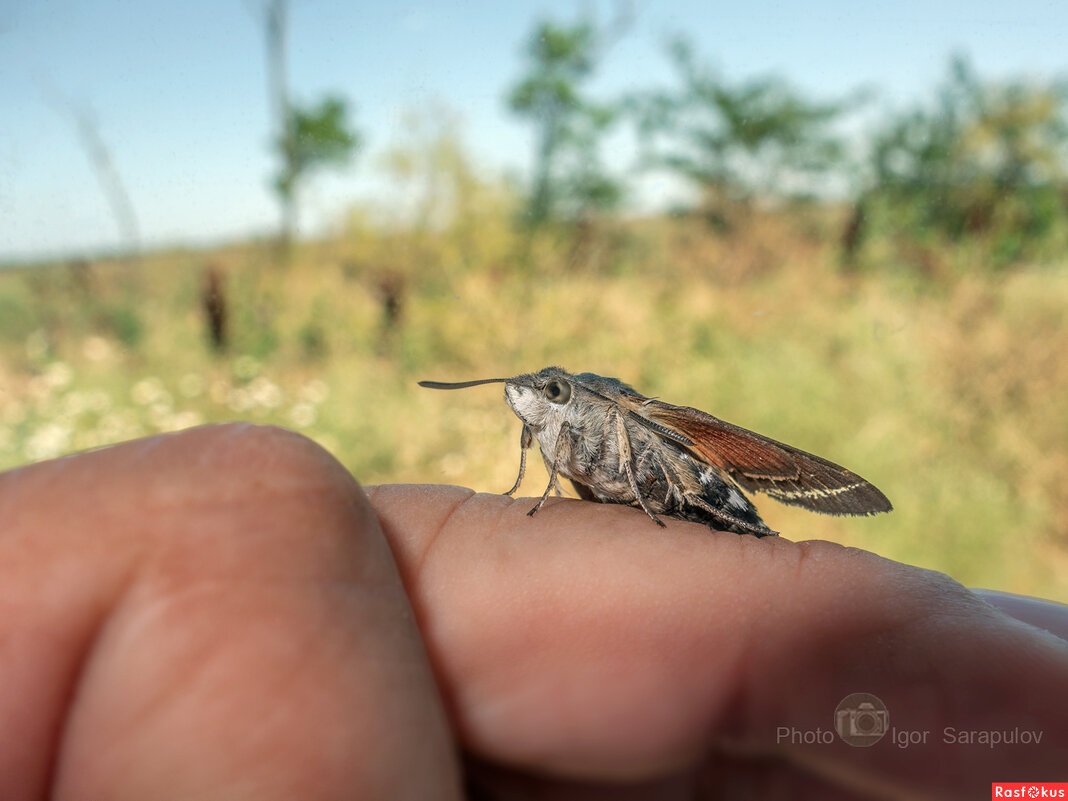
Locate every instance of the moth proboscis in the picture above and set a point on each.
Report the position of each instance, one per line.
(617, 446)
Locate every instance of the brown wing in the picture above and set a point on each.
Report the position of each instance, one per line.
(760, 464)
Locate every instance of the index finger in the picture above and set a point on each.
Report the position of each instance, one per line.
(585, 642)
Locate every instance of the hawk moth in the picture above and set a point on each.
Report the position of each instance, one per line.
(616, 445)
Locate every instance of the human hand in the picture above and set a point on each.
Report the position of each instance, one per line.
(218, 614)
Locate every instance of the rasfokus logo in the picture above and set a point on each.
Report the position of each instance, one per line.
(1029, 790)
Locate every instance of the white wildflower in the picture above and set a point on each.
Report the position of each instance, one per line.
(74, 403)
(58, 374)
(302, 415)
(239, 399)
(118, 425)
(97, 400)
(148, 391)
(159, 414)
(47, 442)
(97, 349)
(191, 385)
(315, 391)
(265, 393)
(186, 419)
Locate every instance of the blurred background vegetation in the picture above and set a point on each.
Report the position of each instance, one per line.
(891, 295)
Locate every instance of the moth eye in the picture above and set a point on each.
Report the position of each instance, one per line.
(558, 391)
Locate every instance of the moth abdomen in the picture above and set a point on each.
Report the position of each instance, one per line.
(711, 498)
(675, 484)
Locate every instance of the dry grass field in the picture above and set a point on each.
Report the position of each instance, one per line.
(945, 387)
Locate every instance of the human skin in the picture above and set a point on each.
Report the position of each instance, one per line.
(225, 613)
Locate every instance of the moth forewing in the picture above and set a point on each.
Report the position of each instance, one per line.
(761, 464)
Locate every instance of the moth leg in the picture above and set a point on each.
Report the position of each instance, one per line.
(525, 438)
(729, 518)
(626, 462)
(561, 440)
(676, 489)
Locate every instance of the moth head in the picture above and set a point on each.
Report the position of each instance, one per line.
(541, 399)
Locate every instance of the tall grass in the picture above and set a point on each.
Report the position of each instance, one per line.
(947, 394)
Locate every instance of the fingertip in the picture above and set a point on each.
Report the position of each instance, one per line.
(585, 641)
(255, 639)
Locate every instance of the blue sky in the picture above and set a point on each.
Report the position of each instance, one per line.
(179, 89)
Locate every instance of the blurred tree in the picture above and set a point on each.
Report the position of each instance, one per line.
(316, 137)
(309, 137)
(432, 169)
(758, 138)
(103, 164)
(569, 178)
(989, 159)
